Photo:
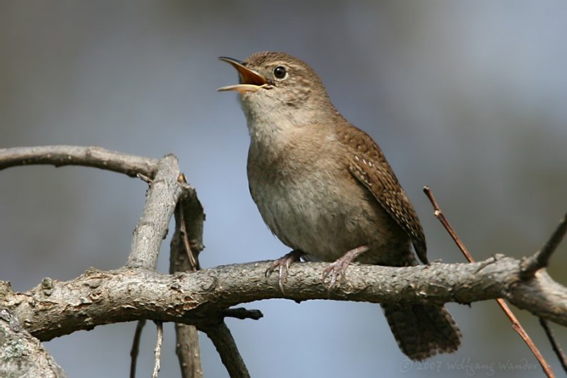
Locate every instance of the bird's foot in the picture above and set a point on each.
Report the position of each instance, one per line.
(282, 265)
(336, 270)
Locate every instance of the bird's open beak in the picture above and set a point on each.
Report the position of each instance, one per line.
(250, 80)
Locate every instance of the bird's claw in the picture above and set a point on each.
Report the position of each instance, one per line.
(282, 265)
(337, 270)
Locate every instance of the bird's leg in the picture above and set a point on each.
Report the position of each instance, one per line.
(282, 264)
(337, 269)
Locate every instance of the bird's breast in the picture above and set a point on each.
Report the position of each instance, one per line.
(308, 205)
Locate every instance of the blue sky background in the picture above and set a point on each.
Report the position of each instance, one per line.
(466, 97)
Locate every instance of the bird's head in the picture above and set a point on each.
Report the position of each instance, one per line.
(277, 87)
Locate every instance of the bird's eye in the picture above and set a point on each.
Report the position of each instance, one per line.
(280, 72)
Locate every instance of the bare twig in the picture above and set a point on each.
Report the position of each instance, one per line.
(515, 322)
(77, 155)
(541, 258)
(439, 215)
(157, 350)
(226, 347)
(243, 313)
(136, 347)
(554, 344)
(160, 205)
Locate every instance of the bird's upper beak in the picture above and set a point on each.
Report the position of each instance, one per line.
(250, 80)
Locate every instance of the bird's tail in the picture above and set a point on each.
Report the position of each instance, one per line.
(423, 330)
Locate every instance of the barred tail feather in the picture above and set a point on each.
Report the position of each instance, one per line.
(422, 330)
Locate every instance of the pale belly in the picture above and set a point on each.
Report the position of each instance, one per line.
(310, 213)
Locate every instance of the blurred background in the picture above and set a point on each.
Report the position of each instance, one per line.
(469, 98)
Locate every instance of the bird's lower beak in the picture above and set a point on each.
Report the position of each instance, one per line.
(250, 80)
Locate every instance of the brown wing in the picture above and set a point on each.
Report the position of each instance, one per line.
(368, 165)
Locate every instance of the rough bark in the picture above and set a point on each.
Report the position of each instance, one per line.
(161, 200)
(59, 308)
(21, 354)
(186, 244)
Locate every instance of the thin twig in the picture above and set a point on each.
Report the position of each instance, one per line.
(96, 157)
(136, 347)
(439, 215)
(243, 313)
(226, 347)
(554, 344)
(541, 258)
(157, 350)
(515, 322)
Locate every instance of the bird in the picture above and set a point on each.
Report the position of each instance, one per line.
(326, 190)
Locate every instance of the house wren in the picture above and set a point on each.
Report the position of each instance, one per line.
(325, 189)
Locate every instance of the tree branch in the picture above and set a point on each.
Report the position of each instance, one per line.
(184, 257)
(554, 344)
(541, 258)
(135, 350)
(161, 201)
(188, 350)
(243, 313)
(96, 157)
(226, 347)
(157, 350)
(22, 354)
(186, 244)
(97, 297)
(513, 319)
(167, 188)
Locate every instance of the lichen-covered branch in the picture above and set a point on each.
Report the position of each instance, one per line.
(21, 354)
(98, 297)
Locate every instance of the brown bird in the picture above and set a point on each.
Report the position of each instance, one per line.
(325, 189)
